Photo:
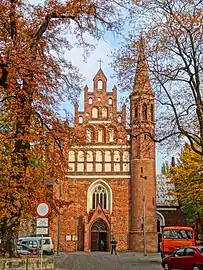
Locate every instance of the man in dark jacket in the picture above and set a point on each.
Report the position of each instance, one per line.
(113, 246)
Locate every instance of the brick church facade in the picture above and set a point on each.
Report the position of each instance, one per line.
(111, 177)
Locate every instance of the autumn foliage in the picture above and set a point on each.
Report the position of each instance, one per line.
(34, 78)
(187, 175)
(173, 46)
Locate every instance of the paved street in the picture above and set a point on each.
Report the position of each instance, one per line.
(104, 261)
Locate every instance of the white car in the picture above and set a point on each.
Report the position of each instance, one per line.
(35, 242)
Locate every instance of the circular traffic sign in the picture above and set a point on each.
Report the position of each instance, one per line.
(43, 209)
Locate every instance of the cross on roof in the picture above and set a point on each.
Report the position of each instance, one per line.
(100, 62)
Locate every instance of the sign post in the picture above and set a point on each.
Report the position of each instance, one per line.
(43, 211)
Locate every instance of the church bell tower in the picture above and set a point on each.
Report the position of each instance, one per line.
(143, 232)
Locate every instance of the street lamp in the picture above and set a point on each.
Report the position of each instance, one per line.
(144, 213)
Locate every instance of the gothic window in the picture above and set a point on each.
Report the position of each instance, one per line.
(80, 119)
(99, 192)
(152, 112)
(136, 112)
(94, 113)
(111, 135)
(99, 196)
(88, 135)
(90, 101)
(100, 135)
(100, 85)
(144, 112)
(104, 113)
(110, 101)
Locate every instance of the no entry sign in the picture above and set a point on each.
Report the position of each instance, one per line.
(43, 209)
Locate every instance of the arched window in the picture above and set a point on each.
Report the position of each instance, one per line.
(144, 112)
(99, 226)
(99, 196)
(94, 113)
(80, 119)
(80, 163)
(107, 159)
(116, 156)
(71, 161)
(152, 112)
(71, 156)
(99, 192)
(104, 113)
(161, 221)
(119, 119)
(126, 161)
(90, 101)
(98, 164)
(100, 135)
(110, 101)
(111, 135)
(89, 164)
(100, 85)
(88, 135)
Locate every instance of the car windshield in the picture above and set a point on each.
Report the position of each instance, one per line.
(178, 234)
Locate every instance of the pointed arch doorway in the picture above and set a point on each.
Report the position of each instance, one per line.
(99, 233)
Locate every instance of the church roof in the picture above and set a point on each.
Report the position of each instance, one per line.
(100, 75)
(142, 82)
(163, 186)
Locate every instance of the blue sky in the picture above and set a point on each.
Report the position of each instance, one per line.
(89, 67)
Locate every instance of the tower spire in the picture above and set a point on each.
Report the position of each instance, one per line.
(141, 82)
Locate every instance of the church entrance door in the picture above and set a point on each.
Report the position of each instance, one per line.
(99, 236)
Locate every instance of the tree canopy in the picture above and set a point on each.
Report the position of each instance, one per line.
(172, 30)
(187, 176)
(34, 78)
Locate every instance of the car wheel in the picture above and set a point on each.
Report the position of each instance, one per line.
(167, 267)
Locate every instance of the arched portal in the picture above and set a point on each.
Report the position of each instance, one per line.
(99, 233)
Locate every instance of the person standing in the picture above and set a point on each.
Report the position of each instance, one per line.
(113, 246)
(101, 245)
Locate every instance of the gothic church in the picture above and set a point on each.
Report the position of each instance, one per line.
(111, 178)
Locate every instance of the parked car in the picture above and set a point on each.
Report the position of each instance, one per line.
(187, 258)
(35, 242)
(26, 250)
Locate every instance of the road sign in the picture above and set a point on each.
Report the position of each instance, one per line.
(42, 231)
(43, 209)
(42, 222)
